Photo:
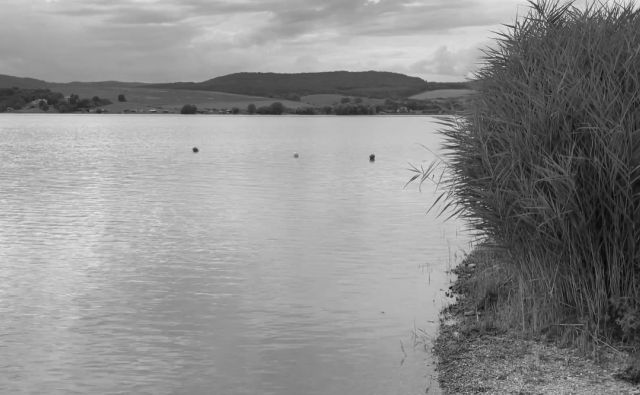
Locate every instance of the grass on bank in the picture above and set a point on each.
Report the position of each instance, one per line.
(546, 164)
(479, 352)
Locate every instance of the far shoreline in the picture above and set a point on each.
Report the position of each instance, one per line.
(415, 114)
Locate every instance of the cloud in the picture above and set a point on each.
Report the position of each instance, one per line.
(307, 63)
(446, 62)
(165, 40)
(351, 18)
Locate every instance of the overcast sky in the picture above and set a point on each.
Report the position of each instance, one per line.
(194, 40)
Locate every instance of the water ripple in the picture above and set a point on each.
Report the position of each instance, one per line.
(131, 265)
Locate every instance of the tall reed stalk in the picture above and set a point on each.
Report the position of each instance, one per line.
(546, 162)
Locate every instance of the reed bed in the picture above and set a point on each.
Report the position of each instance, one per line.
(546, 163)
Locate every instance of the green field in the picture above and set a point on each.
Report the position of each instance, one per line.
(142, 99)
(442, 94)
(330, 99)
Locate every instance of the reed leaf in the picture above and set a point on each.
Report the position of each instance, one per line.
(546, 162)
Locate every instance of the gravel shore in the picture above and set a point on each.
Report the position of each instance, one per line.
(477, 358)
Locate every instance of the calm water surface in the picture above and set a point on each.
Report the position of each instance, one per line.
(129, 264)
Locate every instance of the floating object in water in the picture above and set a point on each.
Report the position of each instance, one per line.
(295, 155)
(372, 158)
(195, 150)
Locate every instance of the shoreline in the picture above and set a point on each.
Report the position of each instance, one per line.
(476, 357)
(177, 112)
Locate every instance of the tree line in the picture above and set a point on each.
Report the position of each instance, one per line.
(17, 99)
(348, 106)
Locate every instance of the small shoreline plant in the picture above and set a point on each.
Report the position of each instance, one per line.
(545, 162)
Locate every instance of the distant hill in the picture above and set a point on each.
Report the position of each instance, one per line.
(376, 84)
(8, 81)
(386, 91)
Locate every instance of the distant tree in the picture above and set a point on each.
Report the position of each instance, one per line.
(357, 100)
(15, 102)
(391, 105)
(292, 97)
(96, 101)
(189, 109)
(235, 110)
(276, 108)
(54, 98)
(305, 111)
(73, 99)
(251, 108)
(17, 98)
(121, 98)
(354, 109)
(64, 107)
(84, 103)
(345, 100)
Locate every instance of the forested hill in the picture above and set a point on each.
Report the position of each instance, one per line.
(8, 81)
(375, 84)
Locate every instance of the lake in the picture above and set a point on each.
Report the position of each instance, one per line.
(130, 264)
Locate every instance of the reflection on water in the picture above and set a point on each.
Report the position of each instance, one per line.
(129, 264)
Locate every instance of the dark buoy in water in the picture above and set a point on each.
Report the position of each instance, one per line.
(295, 155)
(195, 150)
(372, 158)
